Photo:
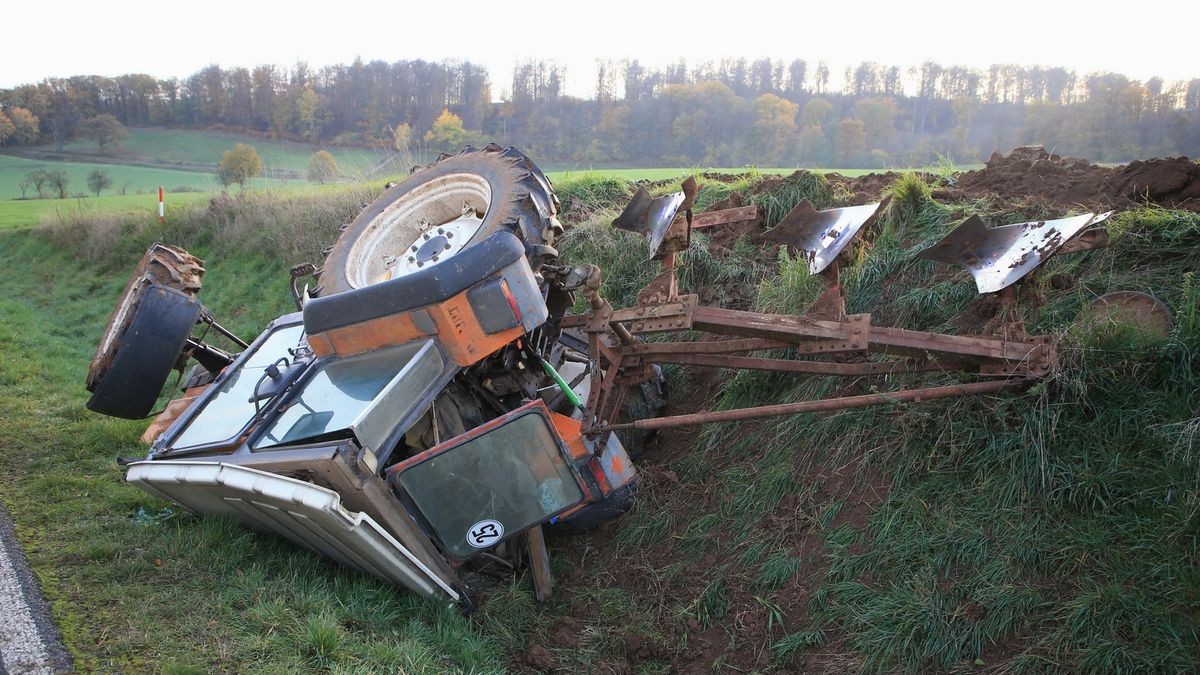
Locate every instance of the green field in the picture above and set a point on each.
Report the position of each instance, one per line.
(15, 212)
(185, 146)
(132, 178)
(180, 160)
(18, 212)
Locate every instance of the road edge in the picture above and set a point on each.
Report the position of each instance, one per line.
(53, 656)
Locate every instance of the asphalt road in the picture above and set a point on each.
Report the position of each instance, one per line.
(29, 642)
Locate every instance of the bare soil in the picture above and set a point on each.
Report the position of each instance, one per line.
(1033, 175)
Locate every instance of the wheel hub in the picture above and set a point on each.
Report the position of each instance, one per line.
(430, 250)
(431, 223)
(436, 244)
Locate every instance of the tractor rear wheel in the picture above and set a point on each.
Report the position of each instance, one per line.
(455, 202)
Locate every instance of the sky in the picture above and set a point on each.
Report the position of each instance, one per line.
(167, 39)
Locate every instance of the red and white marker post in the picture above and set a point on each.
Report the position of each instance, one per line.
(162, 212)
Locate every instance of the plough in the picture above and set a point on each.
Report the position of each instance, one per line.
(822, 340)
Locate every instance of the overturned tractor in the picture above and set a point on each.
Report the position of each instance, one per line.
(433, 405)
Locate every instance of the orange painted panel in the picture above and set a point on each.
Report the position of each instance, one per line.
(462, 336)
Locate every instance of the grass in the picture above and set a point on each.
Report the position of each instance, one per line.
(133, 178)
(1051, 530)
(135, 584)
(191, 147)
(29, 212)
(657, 174)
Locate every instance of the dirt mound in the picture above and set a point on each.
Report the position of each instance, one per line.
(1034, 176)
(1172, 182)
(868, 188)
(1027, 176)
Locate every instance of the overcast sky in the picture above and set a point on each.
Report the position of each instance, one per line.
(173, 38)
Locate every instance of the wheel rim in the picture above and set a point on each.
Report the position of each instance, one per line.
(424, 227)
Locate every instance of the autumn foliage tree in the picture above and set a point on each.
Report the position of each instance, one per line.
(7, 128)
(323, 168)
(25, 126)
(402, 137)
(722, 113)
(774, 127)
(447, 133)
(238, 165)
(106, 130)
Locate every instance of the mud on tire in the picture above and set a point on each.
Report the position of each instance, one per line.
(510, 191)
(145, 333)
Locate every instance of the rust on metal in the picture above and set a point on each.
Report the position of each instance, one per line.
(997, 257)
(841, 403)
(823, 340)
(822, 235)
(704, 347)
(783, 327)
(539, 563)
(809, 367)
(652, 217)
(740, 214)
(1093, 238)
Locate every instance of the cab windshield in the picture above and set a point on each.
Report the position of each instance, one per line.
(365, 395)
(227, 413)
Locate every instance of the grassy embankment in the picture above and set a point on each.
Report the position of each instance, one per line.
(1051, 529)
(135, 585)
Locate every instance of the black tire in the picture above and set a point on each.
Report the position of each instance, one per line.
(149, 349)
(165, 266)
(521, 201)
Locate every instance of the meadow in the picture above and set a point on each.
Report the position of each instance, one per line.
(131, 179)
(193, 147)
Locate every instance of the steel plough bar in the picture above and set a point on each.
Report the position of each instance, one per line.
(842, 403)
(809, 367)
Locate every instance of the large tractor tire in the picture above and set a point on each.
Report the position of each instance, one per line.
(438, 211)
(146, 333)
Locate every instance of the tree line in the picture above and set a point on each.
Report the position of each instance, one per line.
(727, 113)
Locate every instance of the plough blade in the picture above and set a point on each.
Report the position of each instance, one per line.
(650, 216)
(998, 257)
(822, 235)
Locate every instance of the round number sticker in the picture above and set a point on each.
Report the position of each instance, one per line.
(485, 533)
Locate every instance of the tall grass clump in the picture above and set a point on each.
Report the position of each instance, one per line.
(583, 196)
(713, 191)
(775, 203)
(912, 222)
(626, 266)
(291, 225)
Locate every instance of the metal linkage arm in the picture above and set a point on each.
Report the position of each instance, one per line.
(842, 403)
